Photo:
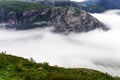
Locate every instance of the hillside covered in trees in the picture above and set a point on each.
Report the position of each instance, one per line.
(18, 68)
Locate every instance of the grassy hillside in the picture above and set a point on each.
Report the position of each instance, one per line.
(18, 68)
(20, 6)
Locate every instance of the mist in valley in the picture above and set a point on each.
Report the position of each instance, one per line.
(98, 49)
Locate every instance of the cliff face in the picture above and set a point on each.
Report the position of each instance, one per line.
(71, 19)
(15, 19)
(64, 19)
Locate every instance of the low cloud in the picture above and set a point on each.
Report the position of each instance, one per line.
(96, 49)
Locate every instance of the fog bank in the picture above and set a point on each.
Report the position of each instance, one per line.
(96, 49)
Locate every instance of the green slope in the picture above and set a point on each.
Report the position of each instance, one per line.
(17, 68)
(20, 6)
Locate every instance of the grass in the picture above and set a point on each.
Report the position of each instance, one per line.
(20, 6)
(18, 68)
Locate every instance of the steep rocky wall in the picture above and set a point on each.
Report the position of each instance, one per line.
(72, 19)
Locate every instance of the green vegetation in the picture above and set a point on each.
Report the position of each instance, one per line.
(13, 5)
(17, 68)
(17, 10)
(77, 10)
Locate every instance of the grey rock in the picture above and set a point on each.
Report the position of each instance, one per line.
(70, 19)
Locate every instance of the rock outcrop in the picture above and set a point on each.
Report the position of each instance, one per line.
(72, 19)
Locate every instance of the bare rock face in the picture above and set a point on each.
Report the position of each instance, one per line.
(70, 19)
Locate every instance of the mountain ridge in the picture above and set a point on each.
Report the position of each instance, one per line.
(98, 6)
(23, 15)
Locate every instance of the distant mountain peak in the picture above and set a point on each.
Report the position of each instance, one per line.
(99, 5)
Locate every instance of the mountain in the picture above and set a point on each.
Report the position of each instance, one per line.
(24, 15)
(97, 6)
(18, 68)
(53, 2)
(48, 2)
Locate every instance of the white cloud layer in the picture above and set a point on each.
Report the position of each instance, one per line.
(78, 0)
(97, 49)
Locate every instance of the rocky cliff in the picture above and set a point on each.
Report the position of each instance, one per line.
(22, 15)
(72, 19)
